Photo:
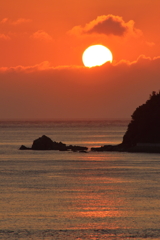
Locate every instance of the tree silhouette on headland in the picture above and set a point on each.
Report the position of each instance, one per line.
(145, 124)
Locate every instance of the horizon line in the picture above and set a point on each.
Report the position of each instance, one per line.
(63, 119)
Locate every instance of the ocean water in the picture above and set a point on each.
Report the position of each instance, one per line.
(53, 195)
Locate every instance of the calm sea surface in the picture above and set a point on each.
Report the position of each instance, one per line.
(53, 195)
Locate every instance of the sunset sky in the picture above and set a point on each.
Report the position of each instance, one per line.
(41, 45)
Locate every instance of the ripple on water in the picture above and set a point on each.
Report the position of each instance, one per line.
(96, 234)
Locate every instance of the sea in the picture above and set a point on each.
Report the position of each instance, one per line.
(65, 195)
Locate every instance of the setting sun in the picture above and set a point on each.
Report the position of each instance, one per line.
(96, 55)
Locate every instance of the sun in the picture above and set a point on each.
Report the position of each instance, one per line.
(96, 55)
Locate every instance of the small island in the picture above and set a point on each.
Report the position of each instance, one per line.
(143, 133)
(45, 143)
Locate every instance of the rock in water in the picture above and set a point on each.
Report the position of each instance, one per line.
(45, 143)
(77, 148)
(42, 143)
(24, 148)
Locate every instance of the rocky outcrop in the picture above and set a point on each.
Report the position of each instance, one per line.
(145, 124)
(143, 133)
(24, 148)
(145, 148)
(75, 148)
(45, 143)
(109, 148)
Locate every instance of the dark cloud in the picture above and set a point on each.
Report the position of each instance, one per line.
(108, 25)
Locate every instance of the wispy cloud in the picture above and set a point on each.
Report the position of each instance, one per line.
(41, 35)
(4, 20)
(27, 69)
(4, 37)
(141, 60)
(16, 22)
(150, 44)
(21, 21)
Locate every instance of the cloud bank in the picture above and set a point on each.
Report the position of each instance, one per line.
(109, 91)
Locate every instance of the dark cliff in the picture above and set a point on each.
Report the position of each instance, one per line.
(143, 133)
(145, 124)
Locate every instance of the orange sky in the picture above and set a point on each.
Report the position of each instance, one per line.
(41, 70)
